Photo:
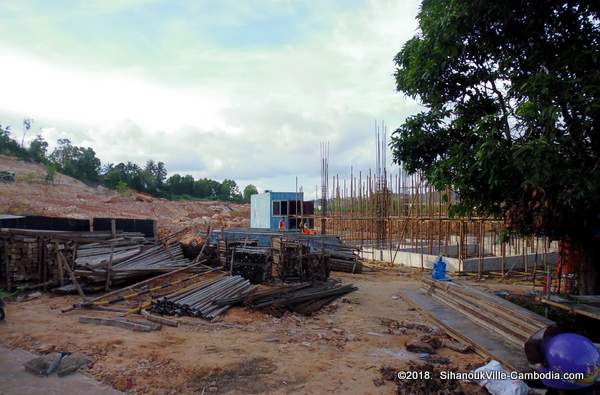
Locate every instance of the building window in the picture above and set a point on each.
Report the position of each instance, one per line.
(277, 208)
(295, 207)
(284, 207)
(308, 207)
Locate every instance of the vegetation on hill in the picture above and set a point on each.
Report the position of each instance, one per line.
(81, 163)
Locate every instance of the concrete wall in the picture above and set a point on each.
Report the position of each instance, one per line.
(490, 263)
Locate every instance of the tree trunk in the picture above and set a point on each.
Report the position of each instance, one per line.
(589, 267)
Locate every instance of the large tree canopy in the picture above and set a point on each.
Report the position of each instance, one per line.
(511, 91)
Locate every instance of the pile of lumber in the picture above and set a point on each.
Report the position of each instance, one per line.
(294, 261)
(94, 259)
(226, 247)
(252, 263)
(508, 320)
(136, 297)
(36, 256)
(341, 257)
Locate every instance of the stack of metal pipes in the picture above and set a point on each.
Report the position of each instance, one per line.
(199, 300)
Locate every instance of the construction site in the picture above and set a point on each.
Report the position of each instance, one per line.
(331, 295)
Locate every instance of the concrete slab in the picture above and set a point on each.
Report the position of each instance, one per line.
(15, 380)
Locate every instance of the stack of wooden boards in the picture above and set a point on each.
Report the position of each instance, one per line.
(294, 261)
(48, 259)
(253, 263)
(513, 323)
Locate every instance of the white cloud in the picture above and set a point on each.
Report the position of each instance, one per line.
(254, 115)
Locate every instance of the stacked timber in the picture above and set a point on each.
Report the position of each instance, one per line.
(96, 259)
(226, 247)
(294, 261)
(512, 322)
(32, 255)
(252, 263)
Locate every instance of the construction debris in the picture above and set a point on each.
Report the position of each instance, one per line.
(63, 363)
(72, 363)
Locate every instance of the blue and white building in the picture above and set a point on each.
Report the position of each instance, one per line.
(268, 208)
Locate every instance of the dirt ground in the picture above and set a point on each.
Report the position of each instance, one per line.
(343, 349)
(68, 197)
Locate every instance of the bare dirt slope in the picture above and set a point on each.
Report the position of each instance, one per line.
(340, 350)
(68, 197)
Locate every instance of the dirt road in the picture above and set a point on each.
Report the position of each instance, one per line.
(340, 350)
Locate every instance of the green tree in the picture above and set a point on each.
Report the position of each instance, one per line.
(123, 188)
(161, 174)
(229, 190)
(38, 149)
(187, 185)
(173, 184)
(77, 162)
(249, 191)
(9, 146)
(50, 173)
(511, 91)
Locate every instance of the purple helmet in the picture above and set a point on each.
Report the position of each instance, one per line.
(571, 353)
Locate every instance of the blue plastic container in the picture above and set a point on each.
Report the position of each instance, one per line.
(439, 270)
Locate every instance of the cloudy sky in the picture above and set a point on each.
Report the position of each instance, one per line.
(221, 89)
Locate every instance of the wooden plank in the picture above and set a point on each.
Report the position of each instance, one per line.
(160, 320)
(60, 255)
(484, 342)
(480, 294)
(508, 334)
(509, 318)
(575, 308)
(134, 326)
(109, 267)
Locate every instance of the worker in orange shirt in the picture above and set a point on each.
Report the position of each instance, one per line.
(305, 228)
(281, 224)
